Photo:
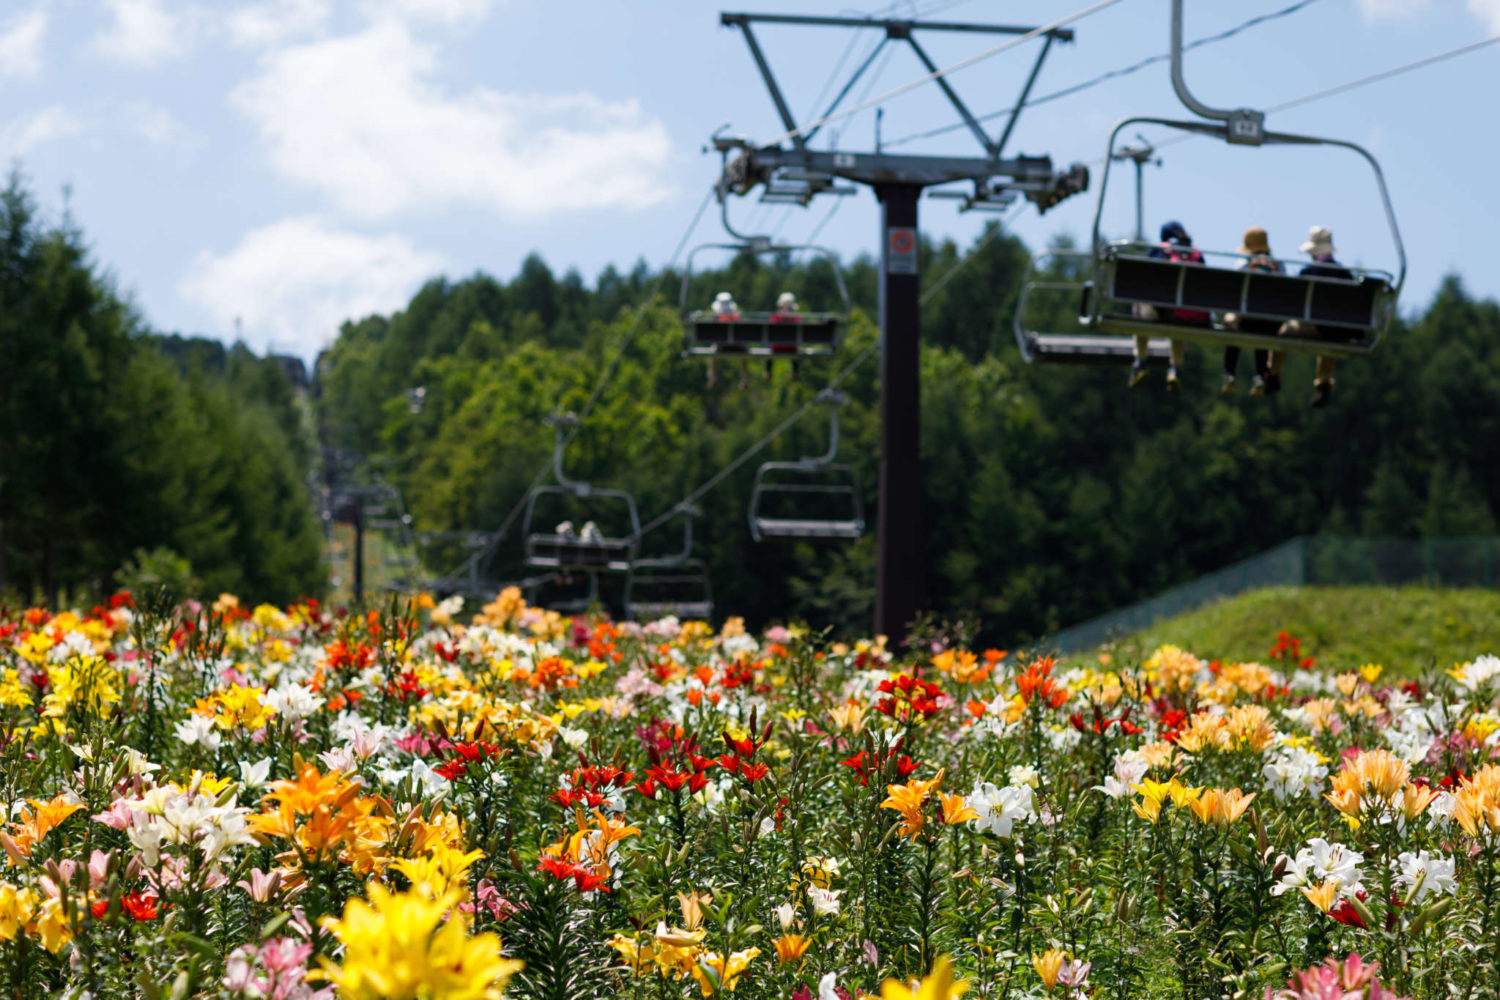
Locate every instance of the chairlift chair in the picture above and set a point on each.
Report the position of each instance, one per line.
(823, 496)
(569, 551)
(573, 605)
(762, 333)
(675, 585)
(1350, 315)
(1073, 347)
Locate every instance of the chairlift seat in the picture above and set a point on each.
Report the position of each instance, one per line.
(1348, 313)
(763, 334)
(657, 588)
(1093, 349)
(569, 552)
(782, 527)
(836, 484)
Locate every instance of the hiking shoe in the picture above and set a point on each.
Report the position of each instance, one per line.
(1174, 382)
(1137, 372)
(1273, 383)
(1322, 393)
(1227, 387)
(1258, 386)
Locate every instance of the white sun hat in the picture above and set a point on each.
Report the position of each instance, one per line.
(1319, 242)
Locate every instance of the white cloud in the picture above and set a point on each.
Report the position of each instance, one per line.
(295, 281)
(158, 126)
(271, 22)
(21, 136)
(21, 44)
(143, 33)
(443, 11)
(1487, 11)
(361, 118)
(1386, 10)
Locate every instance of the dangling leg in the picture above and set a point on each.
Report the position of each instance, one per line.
(744, 374)
(712, 374)
(1258, 387)
(1174, 377)
(1231, 362)
(1138, 366)
(1322, 382)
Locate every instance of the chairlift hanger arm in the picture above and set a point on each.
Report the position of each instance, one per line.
(760, 248)
(1242, 125)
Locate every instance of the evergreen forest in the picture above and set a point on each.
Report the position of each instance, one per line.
(1052, 493)
(131, 457)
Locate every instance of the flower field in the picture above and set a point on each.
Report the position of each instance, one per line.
(219, 801)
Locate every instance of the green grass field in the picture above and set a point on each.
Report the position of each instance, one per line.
(1407, 629)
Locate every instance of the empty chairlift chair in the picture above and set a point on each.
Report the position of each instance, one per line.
(1051, 319)
(811, 497)
(569, 547)
(729, 331)
(674, 585)
(563, 594)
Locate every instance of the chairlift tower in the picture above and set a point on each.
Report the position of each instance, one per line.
(791, 171)
(1142, 156)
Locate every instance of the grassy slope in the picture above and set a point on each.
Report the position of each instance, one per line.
(1407, 629)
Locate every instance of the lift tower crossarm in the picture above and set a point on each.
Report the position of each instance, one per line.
(880, 168)
(894, 27)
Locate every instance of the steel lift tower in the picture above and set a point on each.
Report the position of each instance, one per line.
(791, 171)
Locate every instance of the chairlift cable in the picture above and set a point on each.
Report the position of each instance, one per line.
(838, 203)
(1105, 77)
(946, 70)
(1385, 74)
(802, 411)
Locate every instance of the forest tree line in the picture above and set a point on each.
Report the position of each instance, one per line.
(128, 456)
(1052, 494)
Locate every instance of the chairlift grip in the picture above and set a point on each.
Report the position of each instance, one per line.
(1241, 125)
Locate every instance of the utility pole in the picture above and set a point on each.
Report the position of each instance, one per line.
(790, 170)
(359, 549)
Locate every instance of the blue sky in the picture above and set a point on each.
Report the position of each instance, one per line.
(291, 163)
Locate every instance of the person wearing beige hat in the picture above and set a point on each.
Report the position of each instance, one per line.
(1256, 248)
(1320, 248)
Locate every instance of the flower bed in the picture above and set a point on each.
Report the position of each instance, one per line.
(222, 801)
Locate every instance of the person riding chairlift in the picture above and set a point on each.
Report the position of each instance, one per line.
(1176, 245)
(1320, 248)
(1256, 248)
(725, 311)
(787, 311)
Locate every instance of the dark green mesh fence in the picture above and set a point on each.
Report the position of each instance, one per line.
(1325, 560)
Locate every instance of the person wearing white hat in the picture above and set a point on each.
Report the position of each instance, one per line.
(1320, 248)
(724, 308)
(787, 311)
(725, 311)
